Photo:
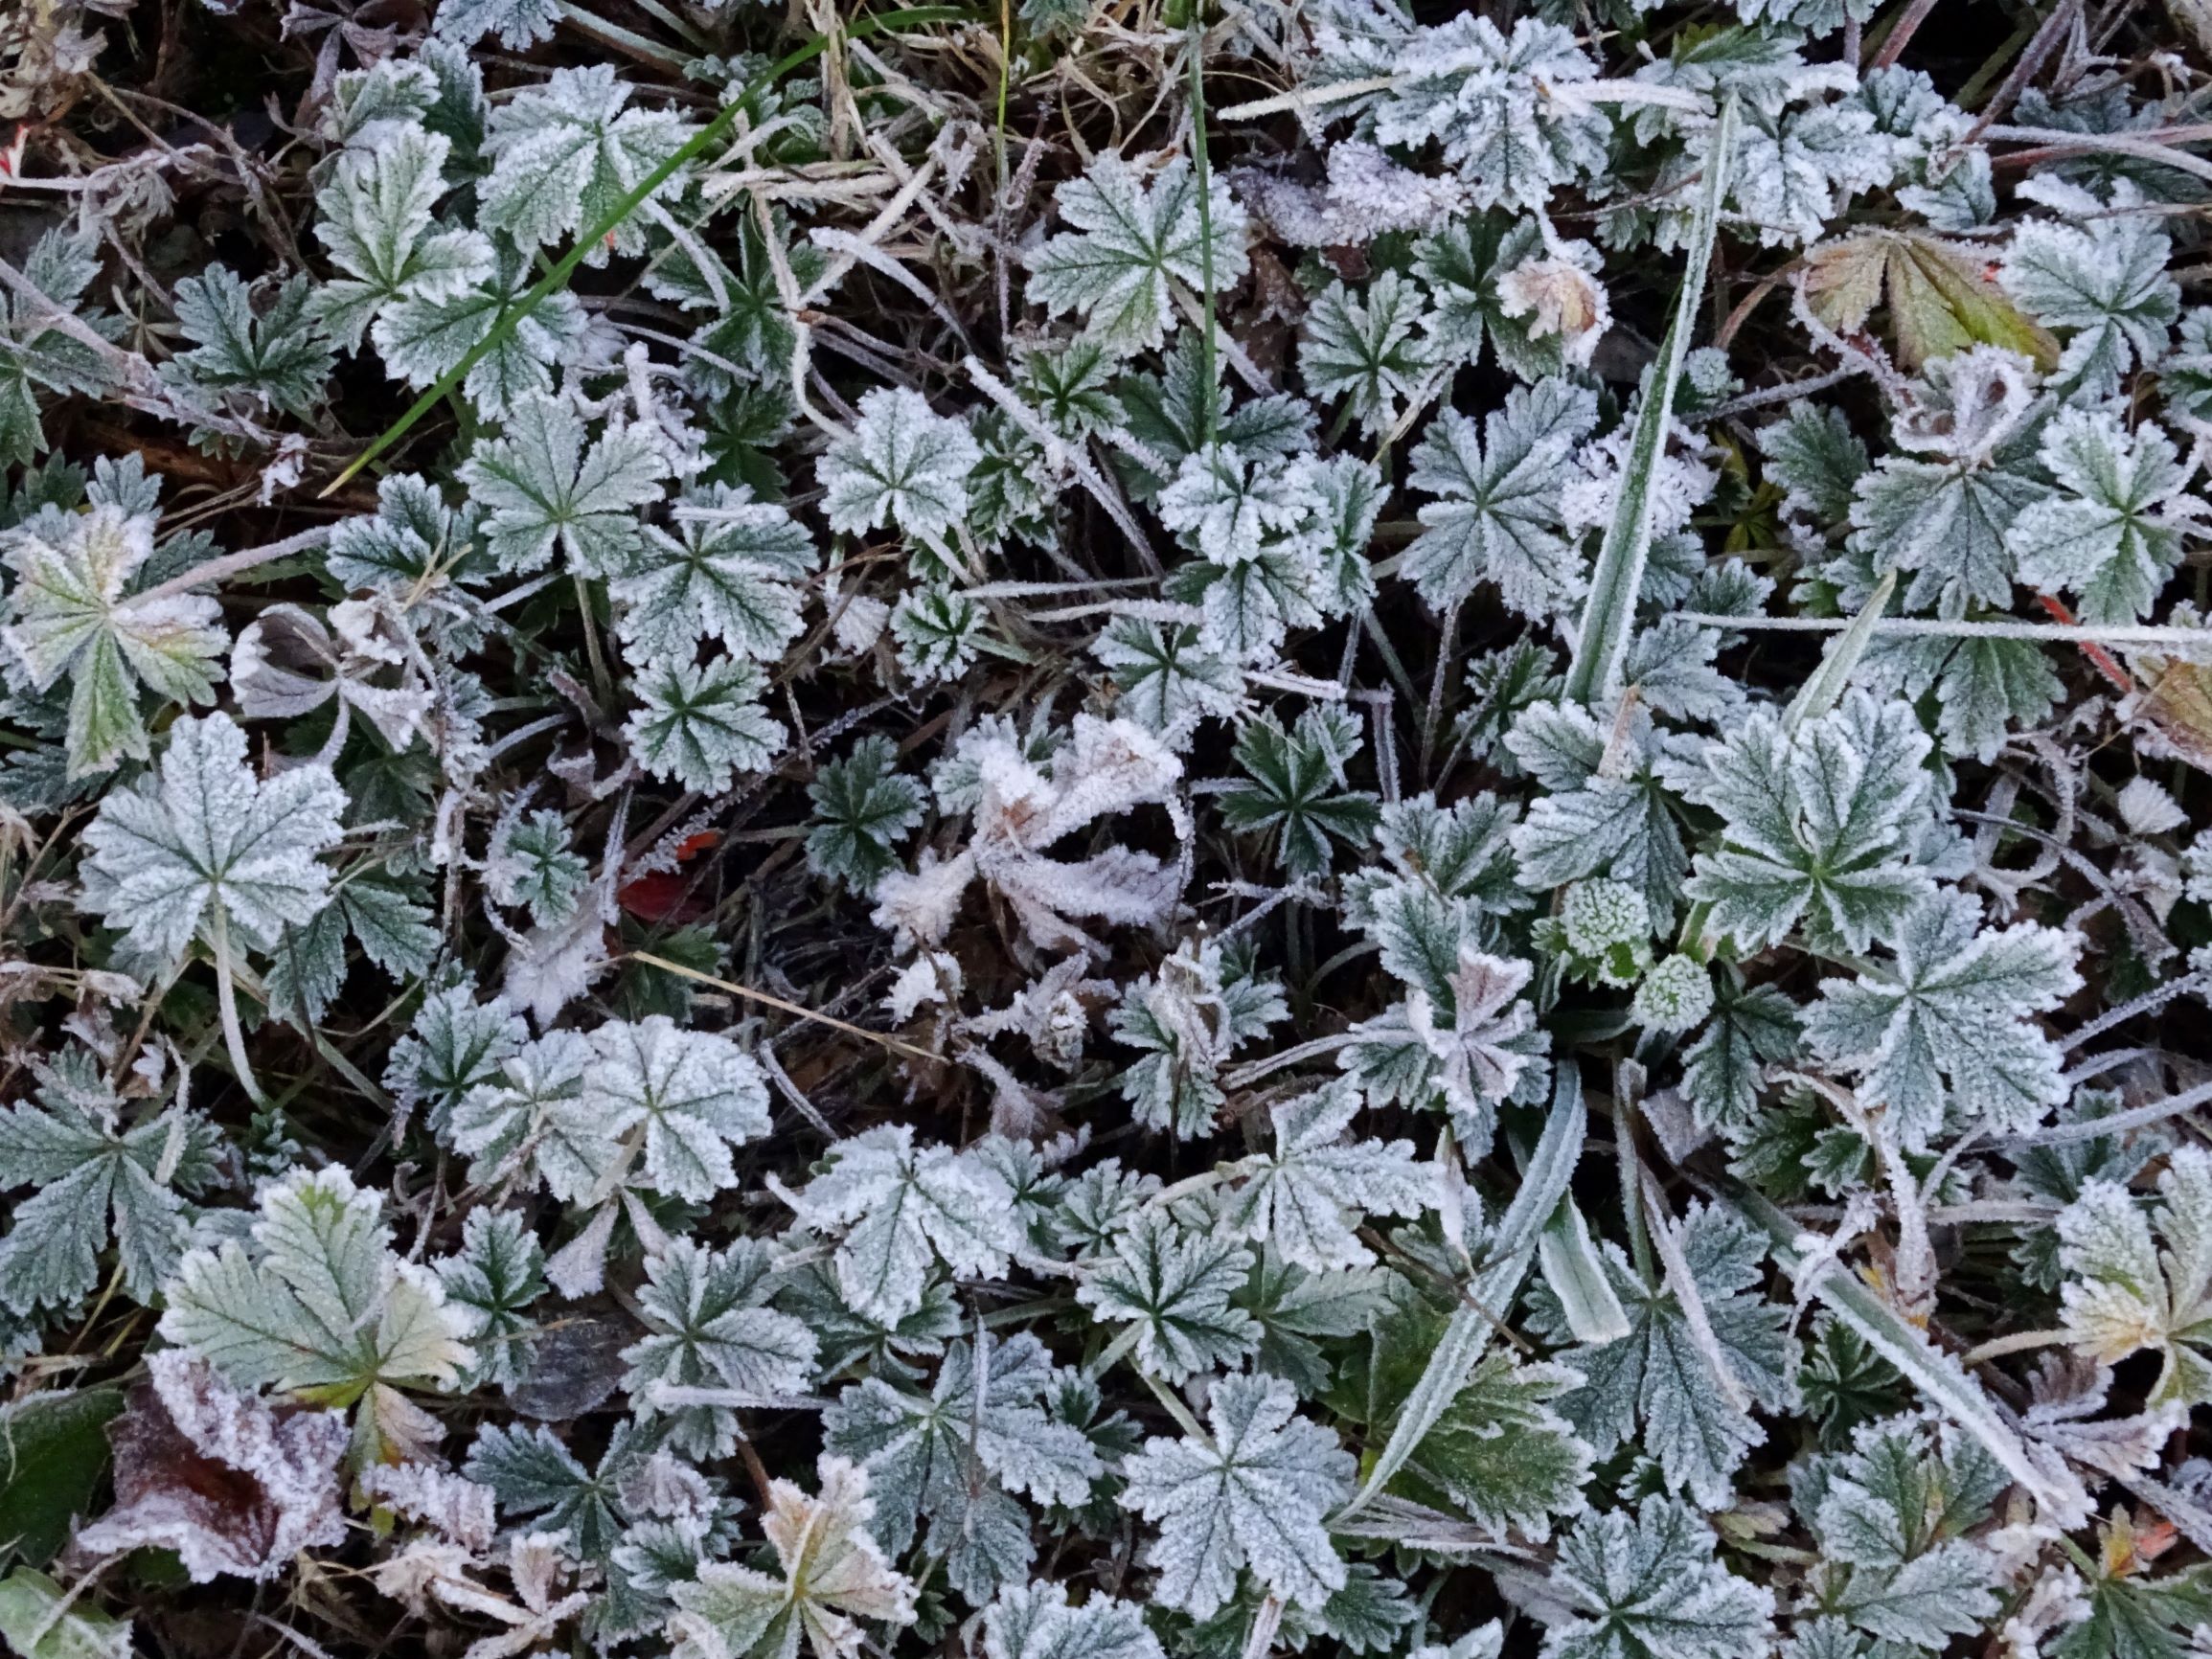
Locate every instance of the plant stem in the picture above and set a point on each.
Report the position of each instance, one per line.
(1210, 418)
(227, 1000)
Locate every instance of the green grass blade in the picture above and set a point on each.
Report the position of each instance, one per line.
(1937, 1375)
(1609, 618)
(1821, 693)
(1512, 1248)
(564, 268)
(1210, 420)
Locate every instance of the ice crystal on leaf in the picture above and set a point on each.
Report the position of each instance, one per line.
(1646, 1586)
(1131, 242)
(318, 1305)
(1944, 1028)
(833, 1579)
(205, 850)
(566, 153)
(1251, 1493)
(73, 616)
(898, 1207)
(2145, 1281)
(1497, 516)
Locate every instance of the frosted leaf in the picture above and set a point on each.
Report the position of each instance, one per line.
(1722, 1071)
(1647, 1586)
(1985, 689)
(1251, 1494)
(531, 863)
(459, 1509)
(1298, 1200)
(204, 845)
(1038, 1623)
(544, 487)
(1614, 820)
(732, 570)
(712, 1329)
(1465, 264)
(954, 1455)
(1255, 525)
(1796, 168)
(1022, 809)
(2102, 279)
(1498, 519)
(2147, 808)
(489, 1284)
(38, 352)
(529, 1122)
(2145, 1281)
(1473, 1033)
(1167, 679)
(1189, 1017)
(99, 1177)
(862, 810)
(454, 1044)
(40, 1620)
(1891, 1516)
(2115, 536)
(422, 340)
(72, 617)
(1945, 520)
(1488, 98)
(702, 725)
(899, 1207)
(937, 630)
(1130, 241)
(533, 1474)
(1818, 827)
(518, 24)
(1367, 195)
(272, 358)
(1174, 1287)
(318, 1305)
(1295, 791)
(230, 1484)
(1816, 459)
(1561, 299)
(1500, 1452)
(832, 1576)
(375, 216)
(1656, 1386)
(695, 1094)
(565, 154)
(1946, 1028)
(1370, 348)
(903, 465)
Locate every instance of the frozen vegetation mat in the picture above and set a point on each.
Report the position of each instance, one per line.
(1105, 829)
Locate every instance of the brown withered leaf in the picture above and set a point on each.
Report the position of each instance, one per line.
(232, 1484)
